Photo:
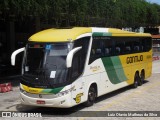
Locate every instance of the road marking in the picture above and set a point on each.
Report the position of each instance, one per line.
(12, 107)
(121, 100)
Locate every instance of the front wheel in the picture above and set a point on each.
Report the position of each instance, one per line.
(91, 96)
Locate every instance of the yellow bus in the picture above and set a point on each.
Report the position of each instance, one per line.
(65, 67)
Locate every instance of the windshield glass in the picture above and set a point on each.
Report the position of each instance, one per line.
(45, 64)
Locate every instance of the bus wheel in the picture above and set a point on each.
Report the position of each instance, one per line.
(91, 96)
(136, 80)
(142, 77)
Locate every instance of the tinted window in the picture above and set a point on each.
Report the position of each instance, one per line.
(108, 47)
(79, 58)
(135, 45)
(147, 42)
(114, 46)
(119, 46)
(127, 46)
(96, 49)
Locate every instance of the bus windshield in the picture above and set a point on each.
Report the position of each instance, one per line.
(45, 64)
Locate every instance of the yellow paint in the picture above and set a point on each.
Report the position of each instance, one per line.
(119, 32)
(65, 35)
(130, 69)
(31, 90)
(59, 35)
(78, 97)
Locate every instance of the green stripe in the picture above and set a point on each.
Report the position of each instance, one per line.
(118, 68)
(101, 34)
(53, 91)
(114, 69)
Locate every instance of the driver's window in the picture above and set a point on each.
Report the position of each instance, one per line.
(76, 67)
(79, 58)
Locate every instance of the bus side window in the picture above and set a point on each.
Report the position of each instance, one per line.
(142, 48)
(79, 59)
(118, 50)
(106, 52)
(148, 43)
(76, 66)
(127, 49)
(93, 52)
(136, 48)
(108, 48)
(96, 50)
(136, 45)
(119, 46)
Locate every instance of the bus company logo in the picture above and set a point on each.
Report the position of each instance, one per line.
(78, 97)
(95, 68)
(134, 59)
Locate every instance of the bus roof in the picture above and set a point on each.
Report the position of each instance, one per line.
(65, 35)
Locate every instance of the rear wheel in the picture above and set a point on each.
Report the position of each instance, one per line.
(136, 80)
(91, 96)
(142, 77)
(140, 82)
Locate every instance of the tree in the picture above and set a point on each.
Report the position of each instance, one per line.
(61, 13)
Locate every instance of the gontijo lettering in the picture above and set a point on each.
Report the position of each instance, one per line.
(134, 59)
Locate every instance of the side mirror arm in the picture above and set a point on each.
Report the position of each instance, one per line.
(14, 54)
(70, 56)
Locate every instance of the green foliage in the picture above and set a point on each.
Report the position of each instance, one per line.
(107, 13)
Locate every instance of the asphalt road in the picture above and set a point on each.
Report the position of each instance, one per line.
(143, 98)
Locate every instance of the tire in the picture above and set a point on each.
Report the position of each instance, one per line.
(91, 96)
(140, 82)
(142, 77)
(136, 81)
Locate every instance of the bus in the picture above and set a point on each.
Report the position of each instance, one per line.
(65, 67)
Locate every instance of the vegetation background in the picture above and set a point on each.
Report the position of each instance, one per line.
(65, 13)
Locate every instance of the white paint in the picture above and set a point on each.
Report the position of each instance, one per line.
(84, 35)
(70, 56)
(14, 54)
(96, 29)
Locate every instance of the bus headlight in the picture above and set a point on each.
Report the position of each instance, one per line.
(64, 92)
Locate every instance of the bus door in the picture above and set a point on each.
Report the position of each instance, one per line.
(76, 76)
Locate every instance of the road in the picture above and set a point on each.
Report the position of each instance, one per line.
(143, 98)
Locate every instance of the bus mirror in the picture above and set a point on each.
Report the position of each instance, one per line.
(70, 56)
(13, 56)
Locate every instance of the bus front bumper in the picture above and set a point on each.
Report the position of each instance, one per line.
(58, 102)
